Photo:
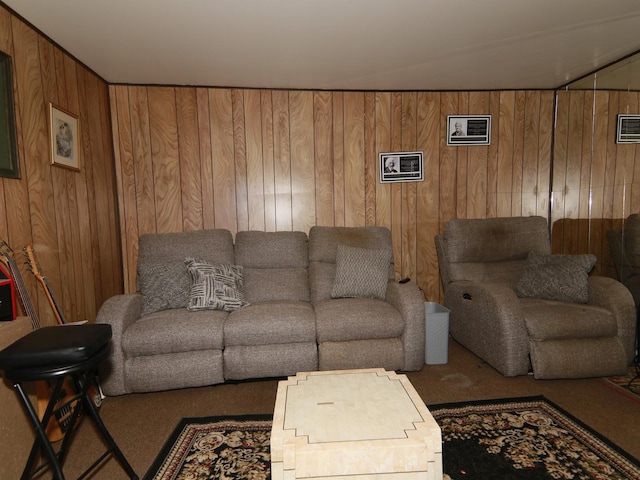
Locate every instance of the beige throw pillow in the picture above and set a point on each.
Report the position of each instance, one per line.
(361, 272)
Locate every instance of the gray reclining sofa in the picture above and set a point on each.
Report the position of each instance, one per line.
(324, 301)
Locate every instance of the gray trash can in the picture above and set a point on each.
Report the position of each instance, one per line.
(437, 334)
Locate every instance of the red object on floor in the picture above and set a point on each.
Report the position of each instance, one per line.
(7, 295)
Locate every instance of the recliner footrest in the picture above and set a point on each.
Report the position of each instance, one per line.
(577, 358)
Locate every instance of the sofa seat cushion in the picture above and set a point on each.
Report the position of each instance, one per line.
(346, 319)
(173, 331)
(269, 323)
(552, 320)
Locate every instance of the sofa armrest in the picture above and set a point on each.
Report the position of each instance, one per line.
(487, 319)
(612, 295)
(119, 311)
(408, 299)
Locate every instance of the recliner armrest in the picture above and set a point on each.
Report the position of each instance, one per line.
(119, 311)
(488, 319)
(408, 299)
(612, 295)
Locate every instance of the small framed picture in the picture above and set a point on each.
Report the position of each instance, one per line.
(401, 167)
(468, 130)
(628, 130)
(64, 137)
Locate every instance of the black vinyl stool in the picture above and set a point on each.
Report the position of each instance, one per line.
(58, 355)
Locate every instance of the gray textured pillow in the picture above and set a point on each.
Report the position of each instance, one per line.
(361, 272)
(215, 287)
(556, 277)
(163, 286)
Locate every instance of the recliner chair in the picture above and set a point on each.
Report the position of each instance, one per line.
(519, 308)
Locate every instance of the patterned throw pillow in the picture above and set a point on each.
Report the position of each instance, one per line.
(361, 272)
(163, 286)
(215, 287)
(556, 277)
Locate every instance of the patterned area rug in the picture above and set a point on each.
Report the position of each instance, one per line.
(629, 383)
(526, 438)
(510, 439)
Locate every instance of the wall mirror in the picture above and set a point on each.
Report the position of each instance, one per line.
(613, 175)
(9, 166)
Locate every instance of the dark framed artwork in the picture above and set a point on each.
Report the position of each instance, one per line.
(9, 166)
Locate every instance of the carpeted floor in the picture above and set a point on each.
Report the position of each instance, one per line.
(141, 423)
(508, 439)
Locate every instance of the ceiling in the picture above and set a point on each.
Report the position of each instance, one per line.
(341, 44)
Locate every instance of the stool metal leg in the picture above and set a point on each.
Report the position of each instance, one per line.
(84, 384)
(41, 440)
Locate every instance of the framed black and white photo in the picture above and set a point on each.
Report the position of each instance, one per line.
(468, 130)
(64, 138)
(401, 167)
(628, 130)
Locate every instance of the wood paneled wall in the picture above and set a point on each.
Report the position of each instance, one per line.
(596, 182)
(69, 217)
(192, 158)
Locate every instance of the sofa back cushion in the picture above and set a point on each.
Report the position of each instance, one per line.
(163, 278)
(323, 247)
(214, 246)
(491, 249)
(276, 265)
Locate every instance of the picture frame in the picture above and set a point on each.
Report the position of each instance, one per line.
(628, 128)
(9, 165)
(64, 138)
(468, 130)
(401, 167)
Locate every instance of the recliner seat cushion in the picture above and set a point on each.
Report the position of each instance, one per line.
(552, 320)
(271, 323)
(172, 331)
(346, 319)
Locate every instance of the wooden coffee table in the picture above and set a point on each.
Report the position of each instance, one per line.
(367, 423)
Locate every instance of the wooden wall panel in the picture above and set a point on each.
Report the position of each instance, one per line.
(69, 217)
(288, 160)
(189, 158)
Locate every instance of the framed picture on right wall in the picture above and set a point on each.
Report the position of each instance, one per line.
(628, 129)
(468, 130)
